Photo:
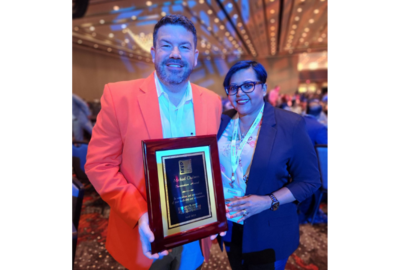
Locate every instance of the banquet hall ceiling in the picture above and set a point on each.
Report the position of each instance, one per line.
(242, 28)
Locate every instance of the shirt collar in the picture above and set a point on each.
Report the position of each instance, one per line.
(160, 90)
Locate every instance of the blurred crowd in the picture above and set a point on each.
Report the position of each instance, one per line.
(310, 105)
(307, 104)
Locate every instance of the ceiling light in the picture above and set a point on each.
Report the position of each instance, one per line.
(126, 40)
(230, 38)
(311, 21)
(296, 18)
(304, 35)
(272, 34)
(292, 32)
(148, 3)
(320, 39)
(272, 27)
(272, 11)
(226, 33)
(207, 51)
(141, 34)
(163, 14)
(230, 5)
(302, 39)
(102, 21)
(240, 24)
(116, 7)
(203, 45)
(272, 39)
(109, 49)
(79, 41)
(316, 11)
(243, 31)
(294, 26)
(216, 20)
(235, 16)
(201, 1)
(95, 46)
(91, 28)
(209, 12)
(271, 0)
(272, 20)
(76, 28)
(123, 26)
(323, 35)
(111, 35)
(306, 29)
(209, 28)
(299, 10)
(133, 18)
(246, 36)
(222, 27)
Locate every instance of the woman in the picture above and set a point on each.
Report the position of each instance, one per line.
(268, 165)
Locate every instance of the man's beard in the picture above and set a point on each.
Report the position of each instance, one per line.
(173, 78)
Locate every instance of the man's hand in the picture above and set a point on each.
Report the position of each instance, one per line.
(146, 237)
(248, 206)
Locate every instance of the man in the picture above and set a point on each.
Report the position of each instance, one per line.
(80, 118)
(163, 105)
(318, 134)
(314, 109)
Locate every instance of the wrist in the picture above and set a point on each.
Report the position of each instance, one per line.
(268, 202)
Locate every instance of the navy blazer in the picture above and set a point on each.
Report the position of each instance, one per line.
(284, 157)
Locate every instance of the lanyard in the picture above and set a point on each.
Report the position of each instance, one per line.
(235, 156)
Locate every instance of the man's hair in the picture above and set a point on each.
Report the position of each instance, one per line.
(257, 67)
(175, 19)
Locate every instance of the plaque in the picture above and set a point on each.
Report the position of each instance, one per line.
(185, 196)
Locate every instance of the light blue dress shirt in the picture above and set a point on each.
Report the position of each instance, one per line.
(178, 121)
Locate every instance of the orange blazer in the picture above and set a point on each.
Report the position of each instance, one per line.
(129, 114)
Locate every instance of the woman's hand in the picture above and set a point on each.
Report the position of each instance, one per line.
(248, 206)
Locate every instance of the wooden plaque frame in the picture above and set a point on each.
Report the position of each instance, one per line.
(158, 206)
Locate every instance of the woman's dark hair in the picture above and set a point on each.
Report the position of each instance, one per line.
(257, 67)
(175, 19)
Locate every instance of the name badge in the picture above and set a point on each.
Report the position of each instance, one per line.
(230, 192)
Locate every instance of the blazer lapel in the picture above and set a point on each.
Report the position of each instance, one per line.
(148, 102)
(200, 110)
(262, 153)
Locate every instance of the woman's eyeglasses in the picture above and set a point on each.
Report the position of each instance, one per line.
(247, 87)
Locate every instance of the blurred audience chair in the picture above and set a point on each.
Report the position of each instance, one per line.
(322, 154)
(79, 151)
(77, 199)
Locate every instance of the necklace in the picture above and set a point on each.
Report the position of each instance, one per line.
(236, 153)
